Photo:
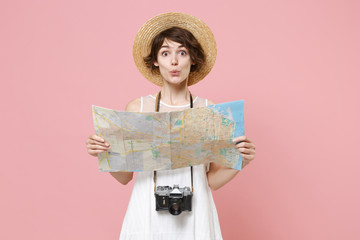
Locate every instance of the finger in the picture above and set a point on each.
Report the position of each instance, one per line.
(97, 138)
(241, 139)
(94, 139)
(95, 147)
(245, 150)
(247, 157)
(94, 142)
(250, 155)
(245, 144)
(92, 152)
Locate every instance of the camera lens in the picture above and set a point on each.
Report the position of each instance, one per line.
(175, 207)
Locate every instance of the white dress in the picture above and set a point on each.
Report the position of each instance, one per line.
(143, 222)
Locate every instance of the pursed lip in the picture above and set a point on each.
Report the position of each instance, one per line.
(175, 72)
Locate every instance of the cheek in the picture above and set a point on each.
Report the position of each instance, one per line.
(163, 63)
(186, 62)
(163, 70)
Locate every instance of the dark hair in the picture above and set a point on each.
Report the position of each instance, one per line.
(181, 36)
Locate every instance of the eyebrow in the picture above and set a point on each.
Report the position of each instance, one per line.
(166, 46)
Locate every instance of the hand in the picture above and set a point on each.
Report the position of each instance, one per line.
(246, 148)
(96, 144)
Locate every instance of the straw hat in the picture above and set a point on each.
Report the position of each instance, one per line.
(159, 23)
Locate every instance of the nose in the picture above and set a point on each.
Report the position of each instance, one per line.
(174, 60)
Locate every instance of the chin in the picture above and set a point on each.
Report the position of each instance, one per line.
(175, 82)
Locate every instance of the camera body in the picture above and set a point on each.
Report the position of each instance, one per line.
(173, 199)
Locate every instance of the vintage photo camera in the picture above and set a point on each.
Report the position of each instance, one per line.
(173, 199)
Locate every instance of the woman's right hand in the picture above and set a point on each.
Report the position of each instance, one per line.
(96, 144)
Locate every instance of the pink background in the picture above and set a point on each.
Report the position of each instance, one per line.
(295, 63)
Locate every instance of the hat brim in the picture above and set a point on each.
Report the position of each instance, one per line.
(159, 23)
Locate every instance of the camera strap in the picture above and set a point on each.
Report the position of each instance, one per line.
(157, 108)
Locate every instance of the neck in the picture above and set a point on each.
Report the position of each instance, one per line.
(175, 94)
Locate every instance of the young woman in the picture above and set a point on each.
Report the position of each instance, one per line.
(174, 51)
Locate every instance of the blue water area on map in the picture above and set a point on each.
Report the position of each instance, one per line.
(235, 111)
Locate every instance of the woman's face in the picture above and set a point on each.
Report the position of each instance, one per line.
(174, 62)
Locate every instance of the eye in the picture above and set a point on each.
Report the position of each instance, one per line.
(183, 53)
(164, 54)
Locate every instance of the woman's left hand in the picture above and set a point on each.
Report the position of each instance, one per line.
(246, 148)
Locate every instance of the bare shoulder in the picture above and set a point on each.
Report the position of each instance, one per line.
(210, 102)
(134, 105)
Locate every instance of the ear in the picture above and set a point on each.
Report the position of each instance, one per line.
(156, 64)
